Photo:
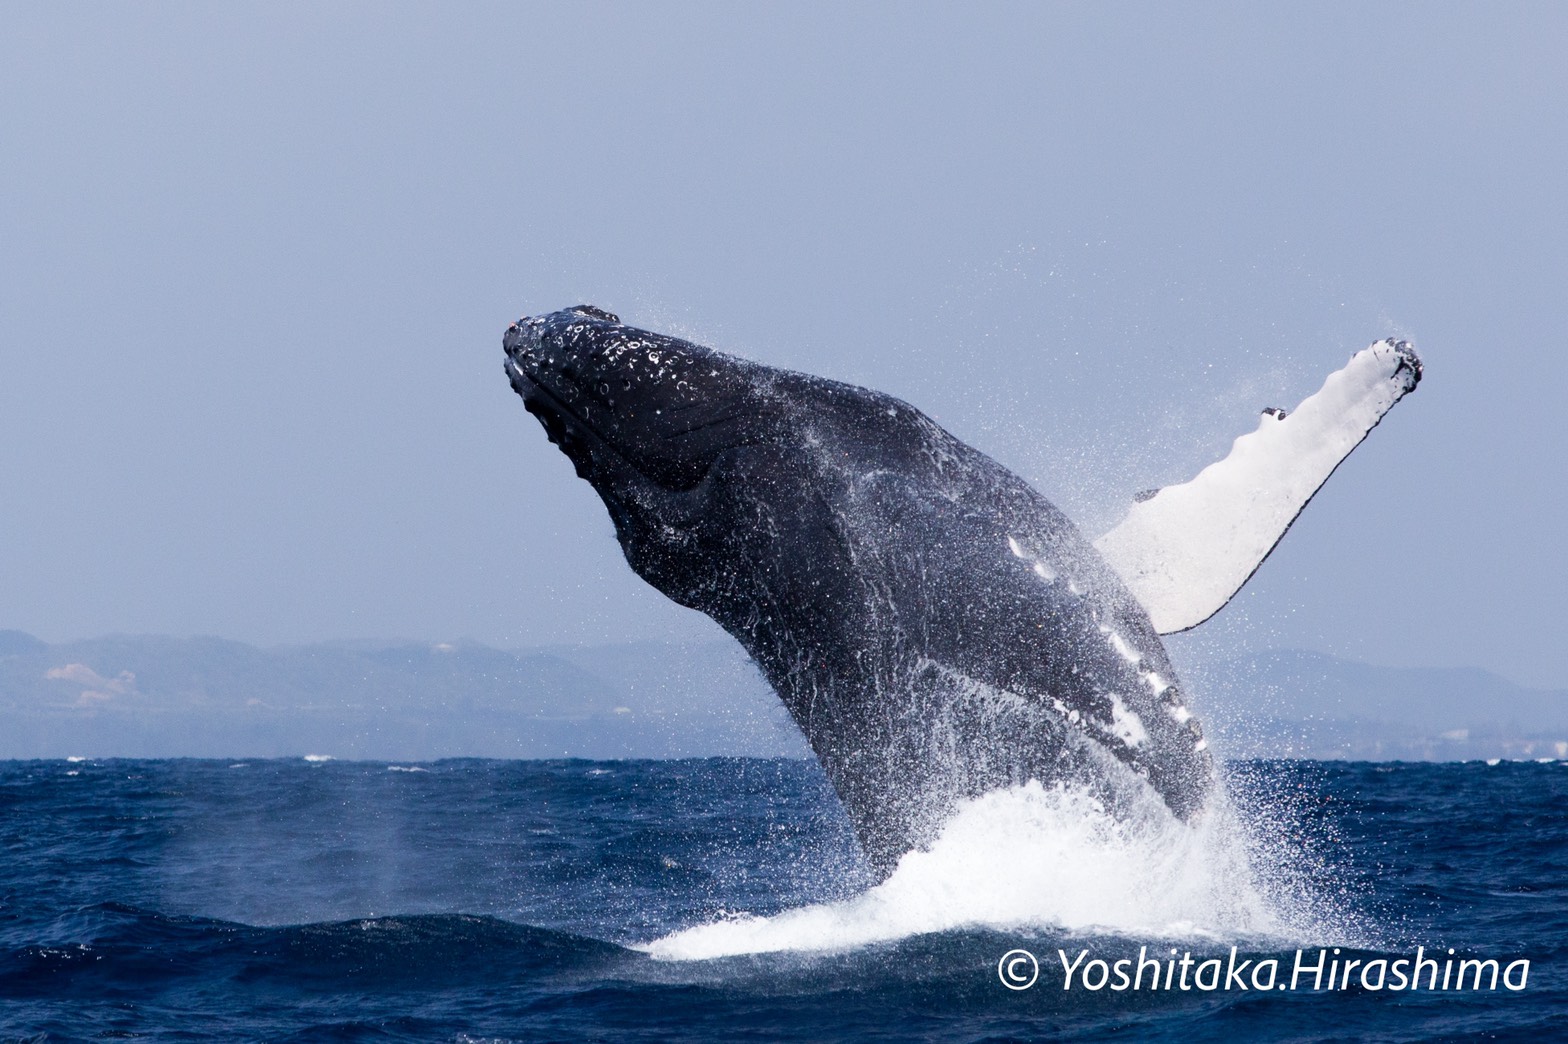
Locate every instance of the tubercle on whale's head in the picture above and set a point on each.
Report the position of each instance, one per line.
(627, 405)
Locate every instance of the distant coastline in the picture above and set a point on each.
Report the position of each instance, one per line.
(155, 696)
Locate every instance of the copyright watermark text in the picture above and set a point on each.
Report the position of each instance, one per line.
(1323, 969)
(1018, 969)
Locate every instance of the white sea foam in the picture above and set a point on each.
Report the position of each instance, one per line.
(1039, 858)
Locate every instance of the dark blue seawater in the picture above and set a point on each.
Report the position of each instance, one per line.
(489, 900)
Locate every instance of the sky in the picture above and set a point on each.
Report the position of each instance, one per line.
(256, 261)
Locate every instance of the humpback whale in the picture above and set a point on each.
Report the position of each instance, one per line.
(935, 626)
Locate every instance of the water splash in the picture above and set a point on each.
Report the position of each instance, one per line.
(1038, 858)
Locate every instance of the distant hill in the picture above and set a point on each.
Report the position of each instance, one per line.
(149, 696)
(1292, 703)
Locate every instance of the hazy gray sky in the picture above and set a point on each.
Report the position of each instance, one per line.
(257, 261)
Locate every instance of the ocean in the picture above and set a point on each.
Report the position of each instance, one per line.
(481, 900)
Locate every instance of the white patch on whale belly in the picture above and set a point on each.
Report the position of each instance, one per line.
(1125, 724)
(973, 689)
(1119, 643)
(1042, 569)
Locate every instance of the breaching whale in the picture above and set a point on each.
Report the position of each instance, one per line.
(935, 626)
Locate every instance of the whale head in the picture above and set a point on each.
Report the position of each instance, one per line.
(652, 422)
(676, 437)
(630, 407)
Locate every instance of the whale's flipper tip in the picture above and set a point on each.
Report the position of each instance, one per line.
(1406, 363)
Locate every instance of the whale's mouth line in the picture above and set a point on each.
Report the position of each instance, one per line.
(575, 434)
(536, 392)
(559, 405)
(572, 433)
(593, 456)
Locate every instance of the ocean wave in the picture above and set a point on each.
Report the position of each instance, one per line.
(112, 946)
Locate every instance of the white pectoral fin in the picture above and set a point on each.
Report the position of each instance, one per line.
(1187, 549)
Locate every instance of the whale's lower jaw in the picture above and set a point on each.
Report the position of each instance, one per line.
(563, 430)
